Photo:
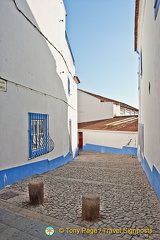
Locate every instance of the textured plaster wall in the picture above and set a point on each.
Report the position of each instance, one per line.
(91, 108)
(116, 139)
(149, 44)
(31, 65)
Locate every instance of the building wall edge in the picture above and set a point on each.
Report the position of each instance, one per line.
(152, 174)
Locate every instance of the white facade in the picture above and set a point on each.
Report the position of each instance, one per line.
(91, 108)
(112, 139)
(38, 69)
(127, 112)
(147, 44)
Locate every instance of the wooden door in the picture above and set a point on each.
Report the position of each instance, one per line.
(80, 136)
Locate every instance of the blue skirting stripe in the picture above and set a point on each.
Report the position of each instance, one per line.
(12, 175)
(97, 148)
(153, 176)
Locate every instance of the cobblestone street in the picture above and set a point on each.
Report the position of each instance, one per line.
(127, 200)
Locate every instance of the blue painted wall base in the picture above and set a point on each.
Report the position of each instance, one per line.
(153, 176)
(103, 149)
(12, 175)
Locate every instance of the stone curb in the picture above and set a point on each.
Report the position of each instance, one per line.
(37, 217)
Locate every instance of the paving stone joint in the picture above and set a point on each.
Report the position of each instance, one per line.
(127, 201)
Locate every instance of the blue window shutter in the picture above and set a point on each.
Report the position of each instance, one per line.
(29, 134)
(141, 64)
(156, 7)
(69, 87)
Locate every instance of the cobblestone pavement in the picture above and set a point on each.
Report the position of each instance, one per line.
(128, 202)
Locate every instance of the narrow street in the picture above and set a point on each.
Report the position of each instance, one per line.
(127, 200)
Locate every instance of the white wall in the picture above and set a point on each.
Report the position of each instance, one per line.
(91, 108)
(14, 133)
(116, 139)
(31, 67)
(127, 112)
(116, 110)
(148, 42)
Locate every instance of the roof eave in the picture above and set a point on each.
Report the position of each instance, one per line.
(110, 100)
(76, 79)
(136, 24)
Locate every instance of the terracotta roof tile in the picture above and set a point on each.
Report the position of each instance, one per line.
(123, 123)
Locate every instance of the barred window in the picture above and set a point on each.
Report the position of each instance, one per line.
(39, 139)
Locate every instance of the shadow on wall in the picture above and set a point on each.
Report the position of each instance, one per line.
(27, 59)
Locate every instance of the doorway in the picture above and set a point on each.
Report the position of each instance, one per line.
(80, 137)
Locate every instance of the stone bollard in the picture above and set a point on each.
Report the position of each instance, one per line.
(36, 192)
(90, 206)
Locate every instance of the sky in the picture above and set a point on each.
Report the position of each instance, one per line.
(101, 35)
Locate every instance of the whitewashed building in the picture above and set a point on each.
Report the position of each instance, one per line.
(147, 45)
(106, 125)
(38, 90)
(116, 135)
(93, 107)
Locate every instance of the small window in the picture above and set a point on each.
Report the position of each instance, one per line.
(39, 140)
(69, 86)
(149, 87)
(156, 7)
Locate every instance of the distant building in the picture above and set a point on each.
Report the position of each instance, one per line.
(38, 90)
(116, 135)
(93, 107)
(147, 45)
(106, 125)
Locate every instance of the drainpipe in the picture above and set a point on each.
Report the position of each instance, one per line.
(138, 72)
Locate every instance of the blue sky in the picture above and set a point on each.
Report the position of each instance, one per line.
(101, 35)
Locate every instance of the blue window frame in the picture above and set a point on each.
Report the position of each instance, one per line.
(141, 66)
(69, 86)
(39, 140)
(156, 7)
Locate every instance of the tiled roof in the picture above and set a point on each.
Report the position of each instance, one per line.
(104, 99)
(136, 23)
(123, 123)
(76, 79)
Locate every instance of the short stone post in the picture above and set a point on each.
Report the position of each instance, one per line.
(90, 206)
(36, 192)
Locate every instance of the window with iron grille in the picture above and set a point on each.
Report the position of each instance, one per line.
(156, 7)
(39, 139)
